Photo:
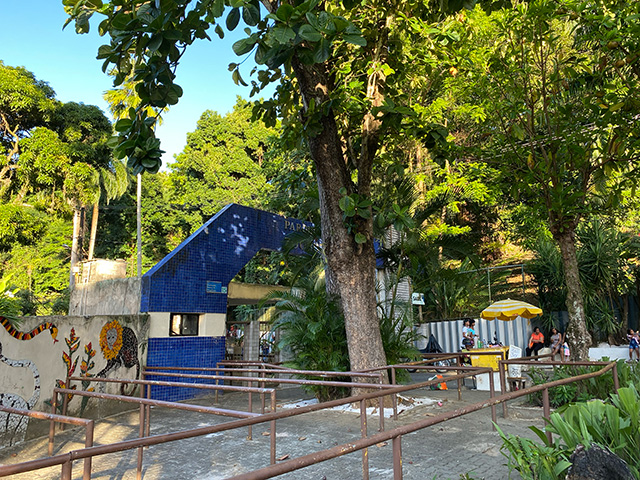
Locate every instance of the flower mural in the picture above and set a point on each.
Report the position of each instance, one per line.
(71, 363)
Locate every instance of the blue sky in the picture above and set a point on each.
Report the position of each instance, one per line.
(31, 36)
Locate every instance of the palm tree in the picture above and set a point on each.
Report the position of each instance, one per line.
(120, 101)
(113, 183)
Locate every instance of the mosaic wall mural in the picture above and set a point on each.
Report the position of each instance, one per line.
(13, 427)
(71, 363)
(119, 347)
(24, 363)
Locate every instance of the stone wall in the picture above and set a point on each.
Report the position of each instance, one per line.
(118, 296)
(38, 354)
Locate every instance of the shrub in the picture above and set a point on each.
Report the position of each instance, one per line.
(593, 388)
(312, 330)
(613, 424)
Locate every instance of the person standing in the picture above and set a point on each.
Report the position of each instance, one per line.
(536, 342)
(465, 342)
(634, 345)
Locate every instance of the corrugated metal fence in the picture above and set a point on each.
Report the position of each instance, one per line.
(449, 332)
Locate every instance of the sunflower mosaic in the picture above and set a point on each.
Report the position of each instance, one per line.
(111, 339)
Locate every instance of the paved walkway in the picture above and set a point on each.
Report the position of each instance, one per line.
(466, 445)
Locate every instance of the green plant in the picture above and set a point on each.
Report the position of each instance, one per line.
(613, 424)
(538, 376)
(312, 331)
(398, 338)
(469, 476)
(9, 303)
(628, 374)
(532, 460)
(596, 387)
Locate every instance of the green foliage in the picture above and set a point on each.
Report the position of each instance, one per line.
(82, 184)
(558, 148)
(613, 424)
(40, 271)
(532, 460)
(9, 304)
(598, 387)
(20, 224)
(44, 162)
(25, 103)
(312, 331)
(398, 337)
(546, 267)
(221, 163)
(606, 262)
(355, 208)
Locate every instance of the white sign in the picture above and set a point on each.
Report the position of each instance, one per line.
(417, 298)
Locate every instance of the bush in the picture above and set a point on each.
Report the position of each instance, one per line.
(593, 388)
(613, 424)
(312, 330)
(398, 341)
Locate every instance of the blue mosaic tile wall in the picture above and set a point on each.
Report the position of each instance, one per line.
(195, 276)
(183, 352)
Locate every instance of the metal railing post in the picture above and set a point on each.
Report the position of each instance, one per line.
(67, 470)
(272, 426)
(492, 393)
(52, 424)
(148, 411)
(250, 432)
(460, 380)
(141, 431)
(363, 434)
(394, 397)
(503, 386)
(397, 457)
(546, 409)
(88, 442)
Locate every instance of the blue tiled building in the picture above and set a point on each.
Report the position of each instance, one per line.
(186, 293)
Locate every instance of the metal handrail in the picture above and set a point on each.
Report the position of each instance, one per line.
(276, 469)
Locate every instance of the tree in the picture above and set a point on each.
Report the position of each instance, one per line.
(25, 103)
(221, 163)
(559, 128)
(337, 79)
(86, 129)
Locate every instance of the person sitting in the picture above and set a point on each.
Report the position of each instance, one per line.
(556, 343)
(536, 342)
(471, 333)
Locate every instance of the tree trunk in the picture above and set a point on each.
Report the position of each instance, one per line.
(350, 266)
(94, 230)
(577, 334)
(76, 243)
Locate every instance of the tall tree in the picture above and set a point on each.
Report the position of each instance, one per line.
(221, 163)
(25, 103)
(341, 67)
(559, 130)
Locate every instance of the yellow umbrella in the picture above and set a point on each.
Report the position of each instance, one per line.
(510, 309)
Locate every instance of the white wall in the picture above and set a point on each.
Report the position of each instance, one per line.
(47, 355)
(119, 296)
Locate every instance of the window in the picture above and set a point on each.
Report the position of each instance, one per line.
(183, 324)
